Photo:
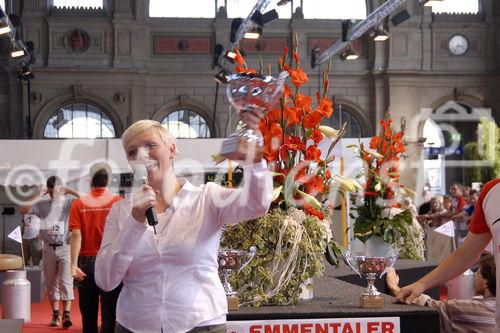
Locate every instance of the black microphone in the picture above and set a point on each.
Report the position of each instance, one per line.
(141, 177)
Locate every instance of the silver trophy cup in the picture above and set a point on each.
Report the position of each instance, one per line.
(370, 268)
(231, 261)
(250, 93)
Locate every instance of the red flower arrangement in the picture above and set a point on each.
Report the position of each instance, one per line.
(382, 190)
(292, 132)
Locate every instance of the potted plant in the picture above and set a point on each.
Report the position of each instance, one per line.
(378, 217)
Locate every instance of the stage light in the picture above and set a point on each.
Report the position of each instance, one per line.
(230, 55)
(380, 34)
(346, 25)
(221, 77)
(18, 49)
(4, 23)
(349, 54)
(25, 73)
(255, 33)
(235, 24)
(400, 17)
(314, 56)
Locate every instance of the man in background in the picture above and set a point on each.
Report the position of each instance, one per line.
(54, 232)
(86, 222)
(32, 245)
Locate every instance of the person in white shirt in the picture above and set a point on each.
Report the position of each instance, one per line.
(170, 279)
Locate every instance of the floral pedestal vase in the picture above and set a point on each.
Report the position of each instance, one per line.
(376, 247)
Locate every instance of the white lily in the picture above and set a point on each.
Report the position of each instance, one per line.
(328, 131)
(347, 184)
(310, 200)
(276, 192)
(375, 155)
(410, 192)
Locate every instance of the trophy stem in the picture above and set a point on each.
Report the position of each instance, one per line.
(226, 284)
(370, 289)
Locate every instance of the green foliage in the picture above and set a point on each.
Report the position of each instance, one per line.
(369, 223)
(277, 238)
(487, 148)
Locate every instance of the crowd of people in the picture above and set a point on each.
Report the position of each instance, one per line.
(456, 209)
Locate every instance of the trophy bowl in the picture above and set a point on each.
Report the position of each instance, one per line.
(250, 93)
(231, 261)
(370, 268)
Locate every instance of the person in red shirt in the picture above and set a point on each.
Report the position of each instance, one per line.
(86, 222)
(483, 227)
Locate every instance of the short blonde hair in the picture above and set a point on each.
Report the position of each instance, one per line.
(144, 125)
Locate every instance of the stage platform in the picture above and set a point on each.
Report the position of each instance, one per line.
(334, 298)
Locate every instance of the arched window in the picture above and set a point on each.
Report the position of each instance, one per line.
(79, 120)
(186, 124)
(341, 115)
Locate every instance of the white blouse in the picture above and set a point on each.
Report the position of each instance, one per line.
(171, 281)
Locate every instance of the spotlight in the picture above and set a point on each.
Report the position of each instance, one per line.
(269, 16)
(4, 23)
(25, 73)
(235, 24)
(230, 55)
(221, 77)
(346, 25)
(400, 17)
(18, 49)
(349, 54)
(255, 33)
(218, 48)
(314, 56)
(380, 34)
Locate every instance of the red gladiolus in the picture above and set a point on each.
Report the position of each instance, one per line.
(312, 120)
(276, 130)
(317, 136)
(298, 77)
(313, 153)
(313, 212)
(325, 107)
(296, 57)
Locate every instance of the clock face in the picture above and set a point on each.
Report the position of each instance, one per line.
(458, 45)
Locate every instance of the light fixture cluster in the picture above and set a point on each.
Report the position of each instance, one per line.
(8, 29)
(258, 21)
(19, 50)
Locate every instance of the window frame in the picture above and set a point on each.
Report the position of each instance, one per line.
(191, 111)
(73, 102)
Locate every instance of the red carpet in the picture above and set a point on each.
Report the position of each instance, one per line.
(41, 314)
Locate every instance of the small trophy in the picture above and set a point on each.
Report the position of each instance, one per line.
(233, 261)
(370, 268)
(249, 93)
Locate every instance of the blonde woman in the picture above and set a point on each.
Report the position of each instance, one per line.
(170, 279)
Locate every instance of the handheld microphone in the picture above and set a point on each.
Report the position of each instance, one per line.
(141, 177)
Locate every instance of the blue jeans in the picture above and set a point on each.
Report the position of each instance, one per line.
(89, 294)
